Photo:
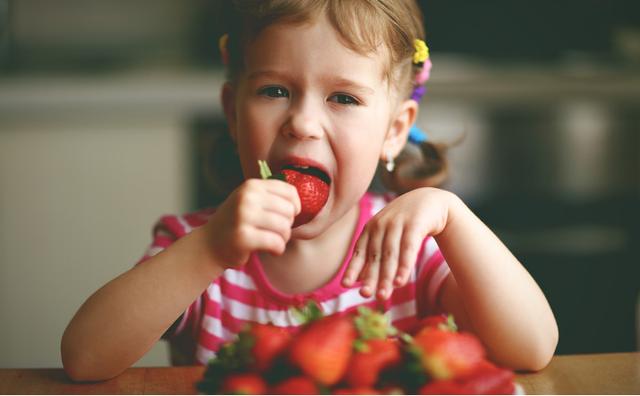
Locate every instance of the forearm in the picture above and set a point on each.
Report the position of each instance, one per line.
(120, 322)
(504, 305)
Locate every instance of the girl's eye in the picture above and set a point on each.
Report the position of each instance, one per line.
(274, 92)
(344, 99)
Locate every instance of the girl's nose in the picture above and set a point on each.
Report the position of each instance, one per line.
(304, 122)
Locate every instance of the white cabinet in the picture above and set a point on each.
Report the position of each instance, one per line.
(86, 167)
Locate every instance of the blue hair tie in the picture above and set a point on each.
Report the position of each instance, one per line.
(417, 135)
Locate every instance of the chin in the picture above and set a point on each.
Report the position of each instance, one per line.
(307, 231)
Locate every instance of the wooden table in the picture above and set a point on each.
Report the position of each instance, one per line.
(614, 373)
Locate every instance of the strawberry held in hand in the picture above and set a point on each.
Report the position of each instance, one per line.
(311, 183)
(313, 193)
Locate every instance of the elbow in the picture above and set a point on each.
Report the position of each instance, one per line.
(528, 355)
(80, 365)
(541, 351)
(75, 370)
(78, 369)
(537, 360)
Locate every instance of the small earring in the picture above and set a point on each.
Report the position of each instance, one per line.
(390, 165)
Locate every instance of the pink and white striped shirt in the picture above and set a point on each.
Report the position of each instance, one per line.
(244, 294)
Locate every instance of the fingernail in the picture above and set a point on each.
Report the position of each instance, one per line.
(398, 280)
(366, 290)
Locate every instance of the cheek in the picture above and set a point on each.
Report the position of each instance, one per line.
(256, 132)
(357, 161)
(358, 152)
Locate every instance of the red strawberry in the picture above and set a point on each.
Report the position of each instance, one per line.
(244, 384)
(312, 190)
(374, 350)
(443, 387)
(355, 391)
(300, 385)
(375, 355)
(448, 355)
(313, 193)
(323, 348)
(442, 322)
(270, 341)
(488, 379)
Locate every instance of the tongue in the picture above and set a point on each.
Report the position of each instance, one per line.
(313, 193)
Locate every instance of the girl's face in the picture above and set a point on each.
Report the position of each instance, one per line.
(305, 98)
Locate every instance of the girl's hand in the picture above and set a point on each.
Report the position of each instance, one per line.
(257, 216)
(388, 247)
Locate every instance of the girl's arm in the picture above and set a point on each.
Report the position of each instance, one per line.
(119, 323)
(489, 291)
(491, 294)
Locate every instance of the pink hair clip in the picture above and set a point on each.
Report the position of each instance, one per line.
(425, 73)
(422, 60)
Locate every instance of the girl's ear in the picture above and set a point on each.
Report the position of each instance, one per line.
(399, 129)
(228, 97)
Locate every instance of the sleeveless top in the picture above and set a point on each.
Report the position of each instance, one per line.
(244, 294)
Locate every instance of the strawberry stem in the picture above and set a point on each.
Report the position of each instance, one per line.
(265, 172)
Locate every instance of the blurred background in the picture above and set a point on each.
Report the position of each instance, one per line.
(107, 109)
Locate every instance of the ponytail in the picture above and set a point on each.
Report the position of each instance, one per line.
(423, 164)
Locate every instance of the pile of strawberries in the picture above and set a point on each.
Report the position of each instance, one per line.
(355, 354)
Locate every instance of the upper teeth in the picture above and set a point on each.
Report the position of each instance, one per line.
(301, 166)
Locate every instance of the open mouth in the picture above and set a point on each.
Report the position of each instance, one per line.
(310, 170)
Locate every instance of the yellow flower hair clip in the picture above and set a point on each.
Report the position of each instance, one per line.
(222, 46)
(422, 52)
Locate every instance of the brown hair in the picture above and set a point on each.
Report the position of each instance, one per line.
(364, 26)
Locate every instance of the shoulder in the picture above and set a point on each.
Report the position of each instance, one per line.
(374, 202)
(170, 228)
(181, 225)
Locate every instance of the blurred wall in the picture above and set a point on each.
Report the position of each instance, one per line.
(86, 167)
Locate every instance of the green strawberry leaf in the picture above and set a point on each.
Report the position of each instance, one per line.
(232, 357)
(451, 323)
(373, 325)
(360, 346)
(310, 312)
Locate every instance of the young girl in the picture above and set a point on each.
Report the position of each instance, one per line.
(322, 88)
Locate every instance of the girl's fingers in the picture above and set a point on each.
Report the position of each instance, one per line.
(389, 260)
(357, 260)
(274, 222)
(409, 247)
(280, 206)
(286, 191)
(372, 264)
(268, 241)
